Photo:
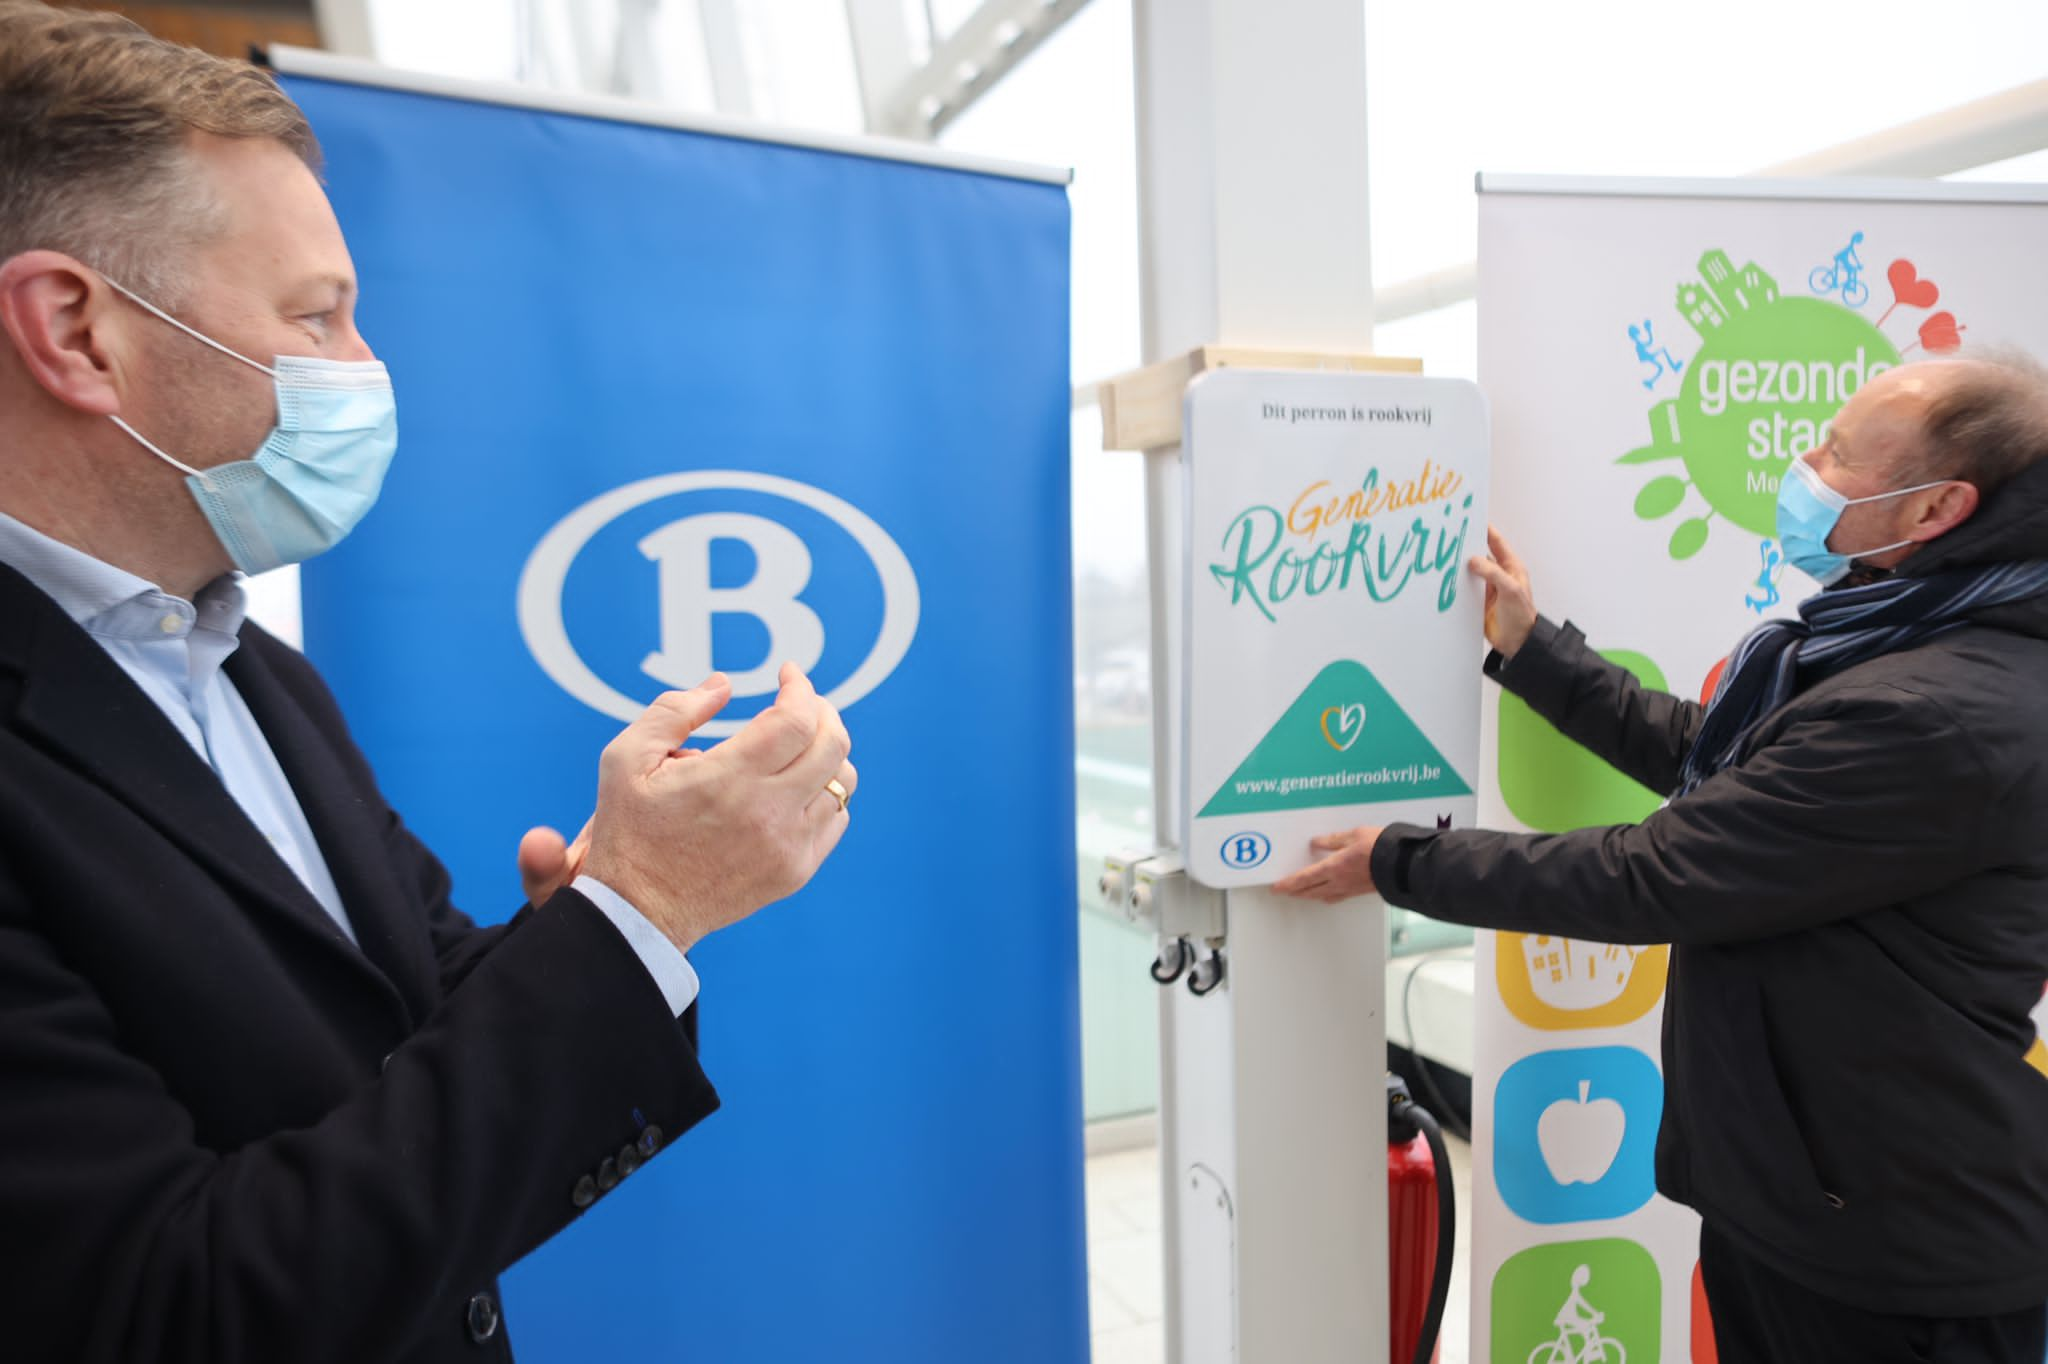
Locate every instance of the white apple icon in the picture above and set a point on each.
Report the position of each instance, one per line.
(1579, 1140)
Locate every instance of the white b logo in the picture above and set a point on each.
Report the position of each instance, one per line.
(681, 552)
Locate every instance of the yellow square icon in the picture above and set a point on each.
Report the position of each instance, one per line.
(1560, 983)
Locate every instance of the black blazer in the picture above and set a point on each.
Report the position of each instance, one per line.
(1858, 931)
(227, 1134)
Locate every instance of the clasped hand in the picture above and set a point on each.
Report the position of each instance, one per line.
(699, 839)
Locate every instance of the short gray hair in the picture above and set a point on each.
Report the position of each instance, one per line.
(1989, 421)
(96, 118)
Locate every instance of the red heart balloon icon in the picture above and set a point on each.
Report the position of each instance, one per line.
(1940, 332)
(1908, 288)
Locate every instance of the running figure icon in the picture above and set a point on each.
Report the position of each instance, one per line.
(1578, 1331)
(1650, 353)
(1845, 275)
(1773, 569)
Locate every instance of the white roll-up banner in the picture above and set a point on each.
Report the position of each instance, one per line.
(1655, 353)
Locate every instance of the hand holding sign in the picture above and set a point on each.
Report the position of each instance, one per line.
(1343, 874)
(1510, 605)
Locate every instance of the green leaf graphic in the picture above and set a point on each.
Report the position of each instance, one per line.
(1660, 497)
(1689, 537)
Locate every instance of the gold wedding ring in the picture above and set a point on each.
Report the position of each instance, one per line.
(838, 793)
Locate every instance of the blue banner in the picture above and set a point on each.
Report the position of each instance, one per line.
(671, 401)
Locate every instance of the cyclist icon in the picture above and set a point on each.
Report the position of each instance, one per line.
(1649, 352)
(1578, 1331)
(1844, 275)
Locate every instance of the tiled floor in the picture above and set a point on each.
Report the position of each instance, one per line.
(1124, 1292)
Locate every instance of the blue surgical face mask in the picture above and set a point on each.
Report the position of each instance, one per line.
(318, 472)
(1807, 512)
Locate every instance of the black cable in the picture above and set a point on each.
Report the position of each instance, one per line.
(1444, 1106)
(1446, 1231)
(1183, 958)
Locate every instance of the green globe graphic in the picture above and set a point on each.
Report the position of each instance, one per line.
(1769, 375)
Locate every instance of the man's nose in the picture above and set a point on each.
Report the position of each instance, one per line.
(355, 347)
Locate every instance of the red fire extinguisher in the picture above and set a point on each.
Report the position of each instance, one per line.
(1421, 1227)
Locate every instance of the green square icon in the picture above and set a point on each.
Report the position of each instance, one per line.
(1578, 1302)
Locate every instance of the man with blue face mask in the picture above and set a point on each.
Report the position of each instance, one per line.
(265, 1094)
(1851, 870)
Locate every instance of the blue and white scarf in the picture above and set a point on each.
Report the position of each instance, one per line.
(1836, 630)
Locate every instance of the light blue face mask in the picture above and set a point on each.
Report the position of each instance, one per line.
(316, 475)
(1807, 512)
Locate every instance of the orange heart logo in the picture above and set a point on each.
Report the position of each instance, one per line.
(1940, 333)
(1908, 288)
(1350, 724)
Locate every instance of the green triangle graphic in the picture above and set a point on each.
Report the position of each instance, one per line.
(1344, 742)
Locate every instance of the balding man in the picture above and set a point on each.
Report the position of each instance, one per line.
(266, 1096)
(1853, 871)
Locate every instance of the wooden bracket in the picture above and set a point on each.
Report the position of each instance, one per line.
(1141, 409)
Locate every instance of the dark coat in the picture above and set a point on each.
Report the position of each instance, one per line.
(1859, 913)
(228, 1135)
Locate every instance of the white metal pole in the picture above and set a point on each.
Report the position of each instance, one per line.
(345, 27)
(1253, 213)
(732, 88)
(880, 30)
(636, 56)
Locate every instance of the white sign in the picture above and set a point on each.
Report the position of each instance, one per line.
(1333, 633)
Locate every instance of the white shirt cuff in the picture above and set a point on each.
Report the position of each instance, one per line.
(664, 961)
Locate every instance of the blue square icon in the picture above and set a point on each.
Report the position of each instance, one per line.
(1575, 1134)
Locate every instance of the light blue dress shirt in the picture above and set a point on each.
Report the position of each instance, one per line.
(174, 649)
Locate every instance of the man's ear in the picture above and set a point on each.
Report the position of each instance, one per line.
(1950, 505)
(61, 318)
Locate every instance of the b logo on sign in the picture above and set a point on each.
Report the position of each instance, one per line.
(688, 601)
(1245, 851)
